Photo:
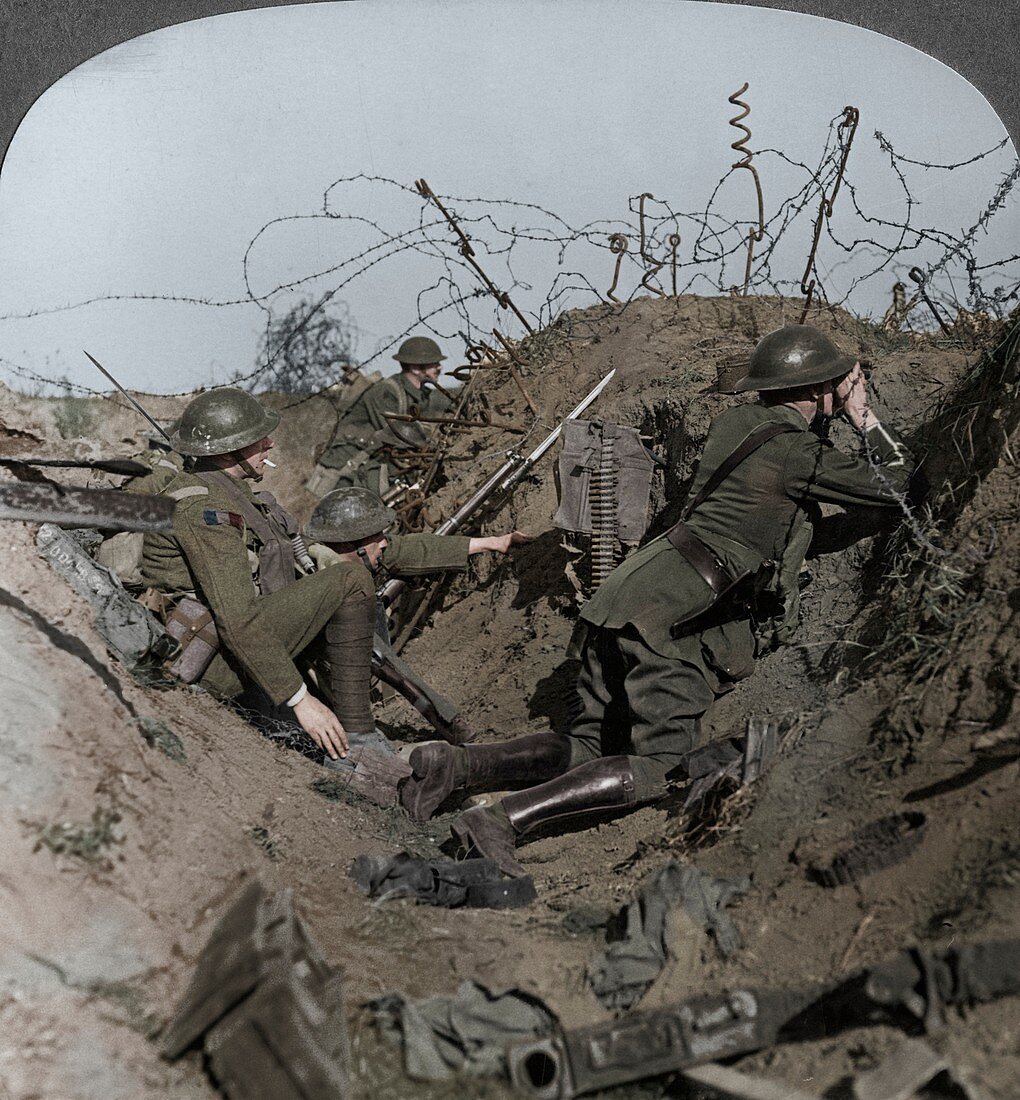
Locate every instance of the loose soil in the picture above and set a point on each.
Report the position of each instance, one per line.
(898, 693)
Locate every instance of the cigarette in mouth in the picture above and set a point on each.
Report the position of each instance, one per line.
(271, 465)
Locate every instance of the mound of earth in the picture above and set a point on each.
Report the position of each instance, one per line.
(897, 694)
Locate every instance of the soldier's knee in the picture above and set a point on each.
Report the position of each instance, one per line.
(350, 580)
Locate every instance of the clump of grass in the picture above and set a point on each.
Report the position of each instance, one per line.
(161, 737)
(267, 841)
(88, 841)
(74, 417)
(336, 790)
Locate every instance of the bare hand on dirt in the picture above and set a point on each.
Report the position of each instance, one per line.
(322, 726)
(498, 544)
(853, 396)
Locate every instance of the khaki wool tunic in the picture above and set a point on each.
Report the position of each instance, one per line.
(410, 555)
(365, 429)
(759, 513)
(216, 557)
(212, 552)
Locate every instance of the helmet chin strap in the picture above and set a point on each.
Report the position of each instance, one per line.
(365, 559)
(249, 469)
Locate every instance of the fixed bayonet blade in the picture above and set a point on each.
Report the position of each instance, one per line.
(125, 466)
(110, 509)
(585, 403)
(138, 408)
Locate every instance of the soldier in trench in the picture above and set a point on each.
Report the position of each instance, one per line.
(679, 622)
(229, 575)
(353, 525)
(232, 560)
(368, 449)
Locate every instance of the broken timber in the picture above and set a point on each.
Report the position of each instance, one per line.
(265, 1005)
(109, 509)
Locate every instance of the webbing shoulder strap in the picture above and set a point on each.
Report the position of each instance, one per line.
(751, 442)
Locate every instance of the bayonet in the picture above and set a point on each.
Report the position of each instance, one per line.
(502, 482)
(138, 408)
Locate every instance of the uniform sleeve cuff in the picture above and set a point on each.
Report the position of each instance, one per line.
(298, 695)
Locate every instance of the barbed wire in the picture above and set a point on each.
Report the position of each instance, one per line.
(454, 300)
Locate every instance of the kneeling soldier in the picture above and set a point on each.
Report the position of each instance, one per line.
(227, 575)
(682, 619)
(366, 444)
(351, 525)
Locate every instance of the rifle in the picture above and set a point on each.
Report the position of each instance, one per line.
(908, 989)
(110, 509)
(500, 484)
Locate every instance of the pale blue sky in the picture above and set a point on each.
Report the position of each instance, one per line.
(149, 169)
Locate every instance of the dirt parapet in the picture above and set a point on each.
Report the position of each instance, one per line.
(121, 853)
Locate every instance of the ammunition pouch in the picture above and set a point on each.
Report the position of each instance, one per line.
(191, 624)
(726, 597)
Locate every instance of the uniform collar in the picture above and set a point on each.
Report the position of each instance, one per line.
(785, 415)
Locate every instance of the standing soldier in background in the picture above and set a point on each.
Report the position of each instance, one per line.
(227, 583)
(364, 448)
(680, 621)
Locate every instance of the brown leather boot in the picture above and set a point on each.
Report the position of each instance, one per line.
(598, 785)
(440, 769)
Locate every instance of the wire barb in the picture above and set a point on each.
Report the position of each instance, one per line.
(845, 135)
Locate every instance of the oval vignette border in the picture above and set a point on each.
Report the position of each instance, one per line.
(44, 41)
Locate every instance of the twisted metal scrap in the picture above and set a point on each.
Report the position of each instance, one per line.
(848, 127)
(501, 296)
(916, 275)
(656, 265)
(740, 146)
(674, 244)
(618, 246)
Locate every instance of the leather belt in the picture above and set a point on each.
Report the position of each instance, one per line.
(709, 567)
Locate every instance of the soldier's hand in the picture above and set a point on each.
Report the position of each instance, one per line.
(498, 544)
(853, 397)
(322, 726)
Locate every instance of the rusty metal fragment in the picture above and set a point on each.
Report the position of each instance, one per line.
(910, 987)
(740, 146)
(618, 246)
(845, 132)
(916, 275)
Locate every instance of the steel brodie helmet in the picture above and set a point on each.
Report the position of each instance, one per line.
(221, 421)
(791, 356)
(419, 351)
(348, 515)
